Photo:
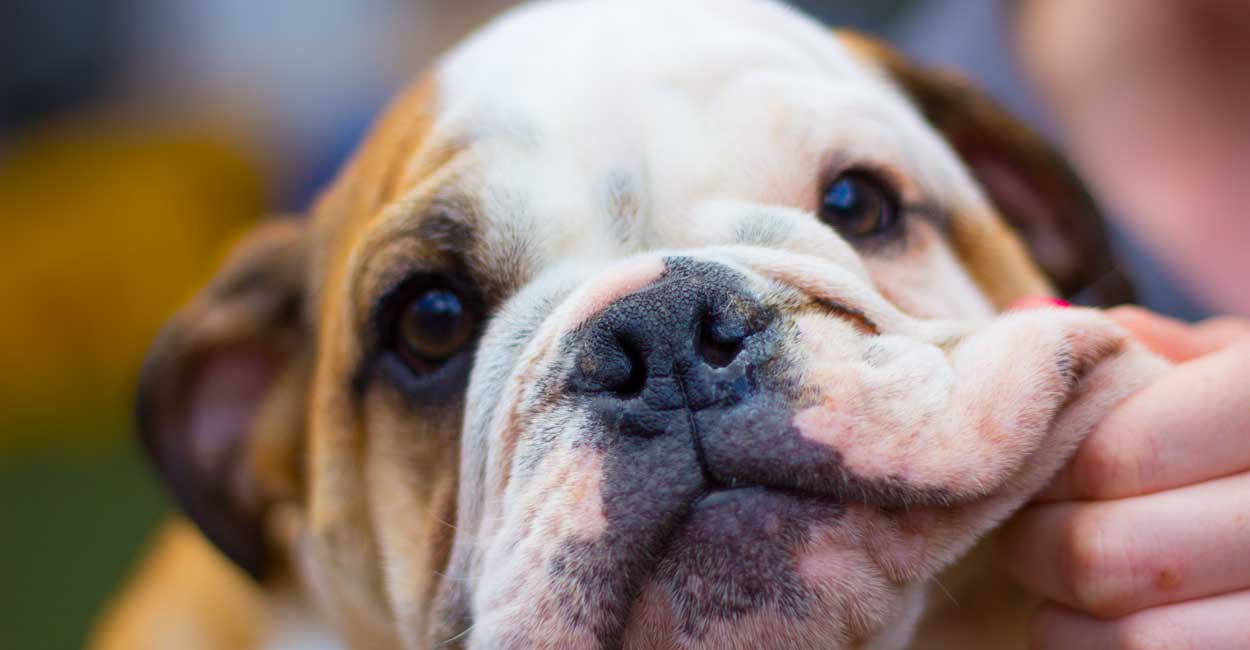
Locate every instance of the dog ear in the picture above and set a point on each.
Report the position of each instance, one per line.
(1034, 188)
(220, 396)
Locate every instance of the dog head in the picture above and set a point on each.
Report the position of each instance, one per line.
(642, 324)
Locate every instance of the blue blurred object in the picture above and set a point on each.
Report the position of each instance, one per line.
(972, 37)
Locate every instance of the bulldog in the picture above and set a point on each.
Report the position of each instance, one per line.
(631, 325)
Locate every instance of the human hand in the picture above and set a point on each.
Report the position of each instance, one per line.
(1143, 541)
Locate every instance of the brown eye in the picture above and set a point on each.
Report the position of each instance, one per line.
(433, 326)
(859, 205)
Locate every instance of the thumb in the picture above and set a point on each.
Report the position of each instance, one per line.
(1176, 340)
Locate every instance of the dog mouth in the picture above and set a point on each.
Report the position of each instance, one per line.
(735, 555)
(724, 516)
(733, 564)
(745, 534)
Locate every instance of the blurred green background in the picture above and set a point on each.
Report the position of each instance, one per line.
(106, 229)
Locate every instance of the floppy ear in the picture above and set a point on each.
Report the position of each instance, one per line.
(220, 404)
(1033, 187)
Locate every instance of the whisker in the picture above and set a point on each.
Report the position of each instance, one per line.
(946, 591)
(457, 638)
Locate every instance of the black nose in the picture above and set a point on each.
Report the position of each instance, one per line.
(671, 327)
(687, 340)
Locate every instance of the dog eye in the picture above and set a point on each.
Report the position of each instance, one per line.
(433, 323)
(859, 205)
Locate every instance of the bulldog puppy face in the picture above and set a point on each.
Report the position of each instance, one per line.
(643, 325)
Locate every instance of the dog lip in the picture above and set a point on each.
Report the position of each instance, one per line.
(733, 554)
(762, 501)
(718, 494)
(721, 495)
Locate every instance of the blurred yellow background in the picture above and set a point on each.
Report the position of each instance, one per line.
(106, 229)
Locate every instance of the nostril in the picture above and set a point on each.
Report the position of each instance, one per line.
(634, 377)
(719, 354)
(720, 342)
(611, 365)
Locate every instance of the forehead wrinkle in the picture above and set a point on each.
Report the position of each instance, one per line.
(400, 158)
(433, 219)
(625, 205)
(504, 257)
(444, 224)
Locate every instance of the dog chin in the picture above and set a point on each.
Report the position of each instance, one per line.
(760, 568)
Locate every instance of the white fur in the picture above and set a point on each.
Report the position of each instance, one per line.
(686, 102)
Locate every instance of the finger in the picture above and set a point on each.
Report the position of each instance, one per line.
(1175, 340)
(1221, 332)
(1109, 558)
(1218, 623)
(1191, 425)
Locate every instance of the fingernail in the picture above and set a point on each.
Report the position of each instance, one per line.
(1038, 302)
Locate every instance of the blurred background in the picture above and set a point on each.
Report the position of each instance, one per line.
(138, 137)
